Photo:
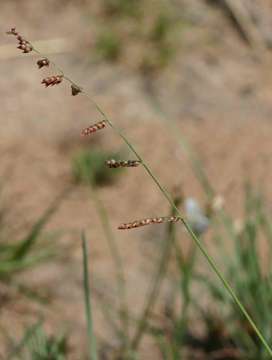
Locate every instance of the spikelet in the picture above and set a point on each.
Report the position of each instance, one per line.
(52, 80)
(75, 90)
(93, 128)
(25, 47)
(23, 44)
(12, 31)
(42, 62)
(148, 221)
(122, 163)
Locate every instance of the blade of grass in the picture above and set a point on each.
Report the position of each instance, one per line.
(186, 269)
(26, 243)
(155, 285)
(120, 275)
(88, 308)
(9, 267)
(27, 336)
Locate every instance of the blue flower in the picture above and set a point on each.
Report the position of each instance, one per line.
(195, 216)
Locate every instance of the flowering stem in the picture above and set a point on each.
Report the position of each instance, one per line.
(168, 197)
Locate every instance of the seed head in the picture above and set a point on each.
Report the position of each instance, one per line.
(52, 80)
(23, 44)
(42, 62)
(122, 163)
(93, 128)
(148, 221)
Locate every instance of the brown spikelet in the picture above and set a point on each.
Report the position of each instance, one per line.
(25, 47)
(23, 44)
(42, 62)
(122, 163)
(52, 80)
(148, 221)
(75, 89)
(12, 31)
(93, 128)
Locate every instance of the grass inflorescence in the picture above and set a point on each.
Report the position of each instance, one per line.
(233, 292)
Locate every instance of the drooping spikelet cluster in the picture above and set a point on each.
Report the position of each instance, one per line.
(26, 47)
(52, 80)
(93, 128)
(23, 44)
(148, 221)
(122, 163)
(43, 62)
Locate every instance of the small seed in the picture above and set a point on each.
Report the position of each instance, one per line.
(75, 89)
(42, 62)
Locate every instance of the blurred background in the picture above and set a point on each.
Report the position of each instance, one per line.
(190, 84)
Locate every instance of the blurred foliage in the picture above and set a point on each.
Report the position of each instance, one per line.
(108, 46)
(250, 275)
(24, 253)
(43, 347)
(140, 33)
(121, 7)
(89, 168)
(226, 333)
(37, 345)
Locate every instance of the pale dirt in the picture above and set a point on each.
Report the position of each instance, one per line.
(216, 90)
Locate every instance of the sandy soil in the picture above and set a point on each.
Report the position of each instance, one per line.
(216, 91)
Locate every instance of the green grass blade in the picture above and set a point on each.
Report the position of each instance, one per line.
(26, 243)
(155, 285)
(118, 263)
(27, 336)
(88, 308)
(9, 267)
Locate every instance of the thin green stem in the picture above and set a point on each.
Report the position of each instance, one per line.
(186, 268)
(198, 243)
(155, 286)
(120, 275)
(87, 295)
(228, 288)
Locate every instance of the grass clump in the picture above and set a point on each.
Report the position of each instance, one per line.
(250, 275)
(138, 28)
(24, 253)
(37, 345)
(121, 7)
(108, 46)
(88, 167)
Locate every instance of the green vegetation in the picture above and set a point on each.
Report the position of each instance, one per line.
(88, 305)
(37, 345)
(236, 316)
(225, 330)
(121, 7)
(24, 253)
(108, 46)
(88, 167)
(133, 26)
(249, 274)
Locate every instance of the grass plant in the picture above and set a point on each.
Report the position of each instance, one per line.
(252, 330)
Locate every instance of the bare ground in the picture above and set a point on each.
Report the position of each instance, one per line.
(217, 92)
